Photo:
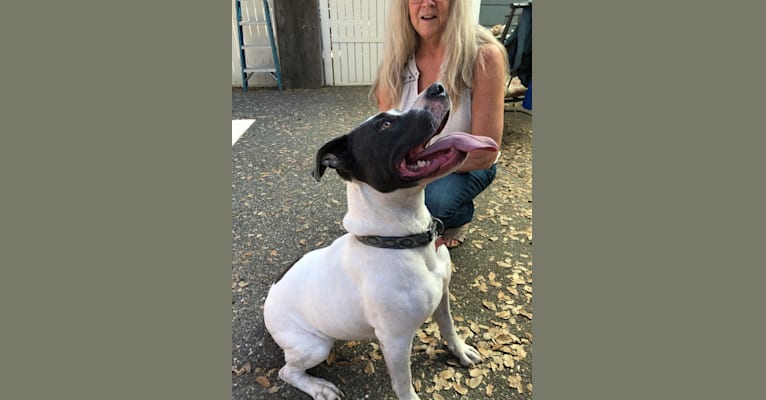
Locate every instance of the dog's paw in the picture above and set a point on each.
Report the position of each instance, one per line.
(468, 355)
(324, 390)
(317, 388)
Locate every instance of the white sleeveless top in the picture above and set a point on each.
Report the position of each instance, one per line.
(460, 114)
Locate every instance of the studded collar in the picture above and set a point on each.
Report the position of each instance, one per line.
(405, 242)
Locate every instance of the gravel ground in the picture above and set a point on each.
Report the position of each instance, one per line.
(279, 213)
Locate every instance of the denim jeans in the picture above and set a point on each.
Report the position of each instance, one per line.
(450, 198)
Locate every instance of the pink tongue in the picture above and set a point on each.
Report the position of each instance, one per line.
(461, 141)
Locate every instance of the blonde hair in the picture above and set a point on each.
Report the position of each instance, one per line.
(401, 41)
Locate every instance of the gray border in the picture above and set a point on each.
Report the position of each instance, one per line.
(648, 146)
(647, 203)
(116, 215)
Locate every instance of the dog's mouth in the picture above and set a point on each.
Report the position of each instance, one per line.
(443, 155)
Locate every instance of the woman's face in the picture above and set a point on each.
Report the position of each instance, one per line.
(429, 17)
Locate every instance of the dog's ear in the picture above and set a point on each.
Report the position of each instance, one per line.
(333, 154)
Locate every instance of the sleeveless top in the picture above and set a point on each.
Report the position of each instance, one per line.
(460, 114)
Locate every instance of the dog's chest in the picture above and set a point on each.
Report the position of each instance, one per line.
(403, 280)
(416, 265)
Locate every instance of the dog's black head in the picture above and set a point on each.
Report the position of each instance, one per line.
(388, 151)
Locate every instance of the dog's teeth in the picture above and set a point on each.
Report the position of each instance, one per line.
(418, 165)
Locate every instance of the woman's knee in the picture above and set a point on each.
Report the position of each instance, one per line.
(440, 203)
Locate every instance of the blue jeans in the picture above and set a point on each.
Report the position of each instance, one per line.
(450, 198)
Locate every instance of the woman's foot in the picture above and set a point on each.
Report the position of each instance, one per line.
(515, 88)
(454, 237)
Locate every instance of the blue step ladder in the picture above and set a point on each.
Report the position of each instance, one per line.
(274, 70)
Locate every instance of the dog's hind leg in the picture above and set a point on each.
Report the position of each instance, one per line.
(307, 352)
(467, 355)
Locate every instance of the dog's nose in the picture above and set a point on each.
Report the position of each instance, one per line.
(437, 89)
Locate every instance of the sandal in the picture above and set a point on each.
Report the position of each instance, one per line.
(454, 237)
(515, 91)
(515, 88)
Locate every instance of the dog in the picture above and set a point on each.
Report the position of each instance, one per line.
(387, 275)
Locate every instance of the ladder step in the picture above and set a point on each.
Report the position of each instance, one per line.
(256, 46)
(253, 23)
(269, 69)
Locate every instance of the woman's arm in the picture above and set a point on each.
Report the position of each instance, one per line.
(487, 105)
(383, 104)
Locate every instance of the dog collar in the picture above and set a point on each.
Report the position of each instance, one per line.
(405, 242)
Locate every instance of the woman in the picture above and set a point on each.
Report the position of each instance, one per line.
(429, 41)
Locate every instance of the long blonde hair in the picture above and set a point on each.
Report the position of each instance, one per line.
(401, 41)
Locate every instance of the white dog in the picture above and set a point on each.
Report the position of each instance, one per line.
(387, 275)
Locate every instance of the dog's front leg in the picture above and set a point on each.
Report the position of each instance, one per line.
(467, 355)
(396, 352)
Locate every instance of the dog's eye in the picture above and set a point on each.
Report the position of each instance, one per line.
(385, 125)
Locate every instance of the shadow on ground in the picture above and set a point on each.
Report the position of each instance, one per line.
(279, 213)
